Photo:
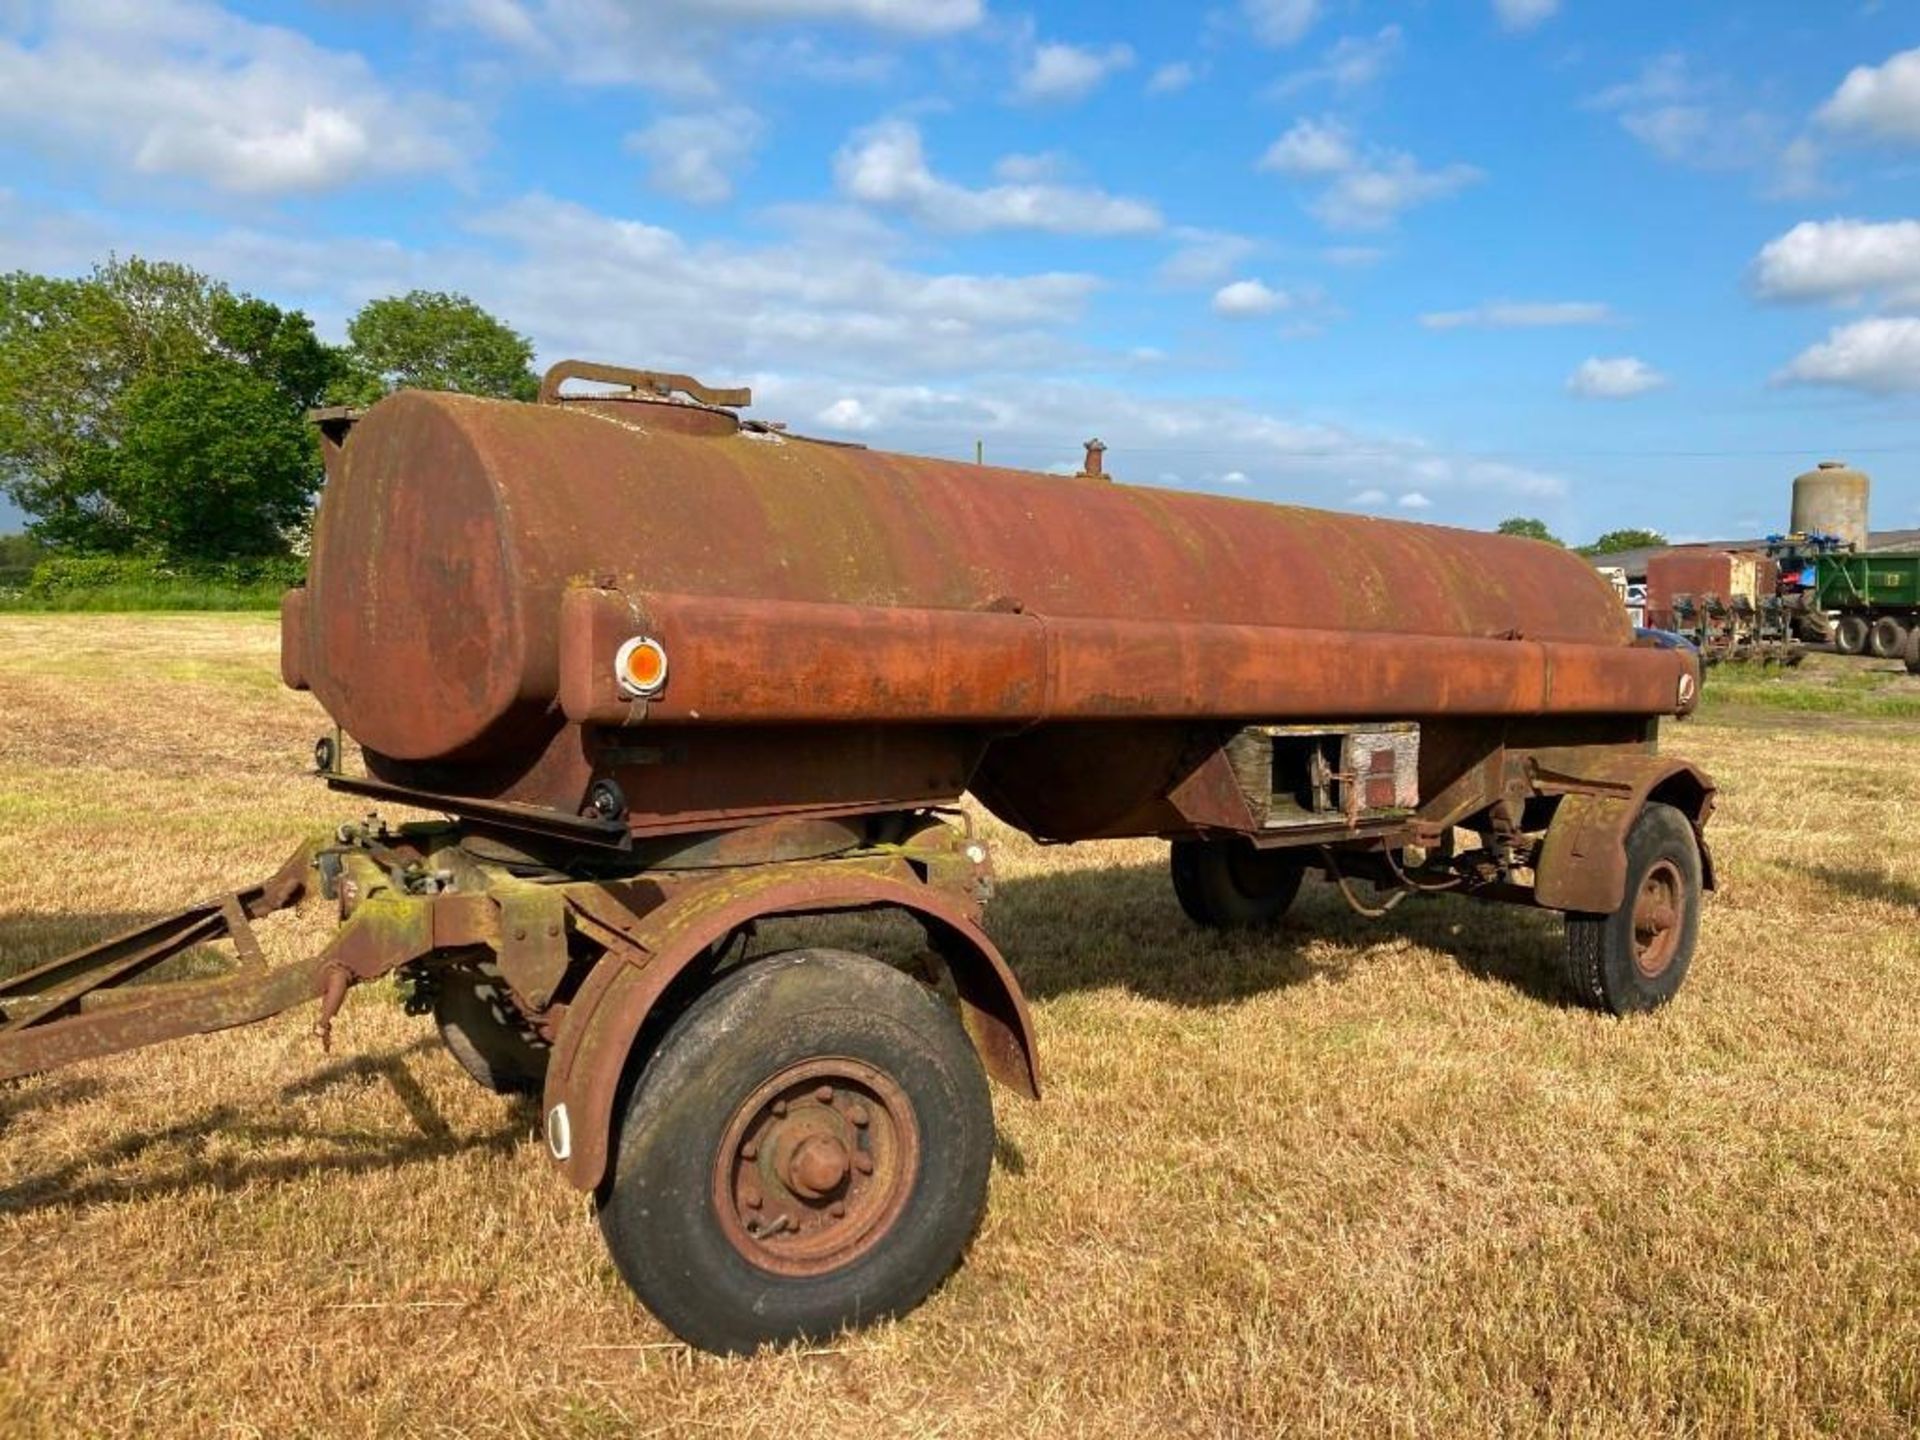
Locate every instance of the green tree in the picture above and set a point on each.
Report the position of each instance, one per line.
(1614, 541)
(213, 463)
(99, 444)
(18, 555)
(428, 340)
(1531, 529)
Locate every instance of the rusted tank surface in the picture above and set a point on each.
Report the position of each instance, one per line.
(477, 564)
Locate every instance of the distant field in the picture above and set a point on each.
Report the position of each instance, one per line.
(1351, 1177)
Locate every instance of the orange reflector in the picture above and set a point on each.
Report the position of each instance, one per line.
(641, 666)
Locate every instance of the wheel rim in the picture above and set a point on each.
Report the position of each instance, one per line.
(816, 1166)
(1657, 914)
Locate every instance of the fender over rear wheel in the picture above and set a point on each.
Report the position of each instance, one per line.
(807, 1151)
(1637, 958)
(1229, 885)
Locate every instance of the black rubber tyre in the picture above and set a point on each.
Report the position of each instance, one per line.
(476, 1021)
(1229, 885)
(1913, 651)
(1850, 634)
(1636, 958)
(672, 1214)
(1888, 639)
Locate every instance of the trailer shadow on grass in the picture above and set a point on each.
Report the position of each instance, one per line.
(1089, 929)
(228, 1148)
(1858, 884)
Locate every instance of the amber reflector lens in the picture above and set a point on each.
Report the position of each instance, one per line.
(641, 666)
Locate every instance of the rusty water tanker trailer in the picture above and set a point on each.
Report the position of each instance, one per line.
(670, 674)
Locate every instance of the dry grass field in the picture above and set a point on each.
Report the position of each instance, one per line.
(1353, 1177)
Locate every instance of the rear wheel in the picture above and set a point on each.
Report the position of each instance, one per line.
(1850, 634)
(806, 1152)
(1888, 638)
(483, 1032)
(1228, 884)
(1636, 958)
(1913, 651)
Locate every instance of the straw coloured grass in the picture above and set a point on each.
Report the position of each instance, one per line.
(1347, 1177)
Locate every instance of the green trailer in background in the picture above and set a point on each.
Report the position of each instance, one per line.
(1875, 599)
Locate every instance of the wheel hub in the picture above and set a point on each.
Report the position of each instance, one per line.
(1657, 914)
(816, 1165)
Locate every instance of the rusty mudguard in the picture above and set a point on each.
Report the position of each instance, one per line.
(647, 953)
(1583, 863)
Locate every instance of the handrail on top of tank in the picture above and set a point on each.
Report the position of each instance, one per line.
(652, 382)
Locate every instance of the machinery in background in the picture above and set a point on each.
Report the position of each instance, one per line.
(1873, 599)
(1726, 603)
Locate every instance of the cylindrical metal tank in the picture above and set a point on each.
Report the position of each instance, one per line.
(1831, 499)
(452, 527)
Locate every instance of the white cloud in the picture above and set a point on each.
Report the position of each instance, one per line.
(846, 413)
(1056, 73)
(1367, 190)
(886, 166)
(1414, 500)
(1520, 315)
(586, 283)
(670, 45)
(1234, 477)
(1311, 148)
(696, 156)
(1281, 22)
(1353, 257)
(1373, 195)
(1880, 356)
(1524, 14)
(1881, 102)
(1205, 257)
(1248, 300)
(1350, 63)
(1618, 378)
(1842, 260)
(1699, 122)
(1373, 496)
(186, 89)
(1172, 78)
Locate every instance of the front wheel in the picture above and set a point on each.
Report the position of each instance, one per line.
(1229, 885)
(806, 1152)
(1636, 958)
(485, 1033)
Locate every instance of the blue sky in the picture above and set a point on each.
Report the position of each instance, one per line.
(1602, 261)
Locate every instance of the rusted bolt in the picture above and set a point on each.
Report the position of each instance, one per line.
(836, 1209)
(779, 1107)
(824, 1094)
(753, 1199)
(863, 1162)
(553, 928)
(749, 1150)
(858, 1115)
(520, 934)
